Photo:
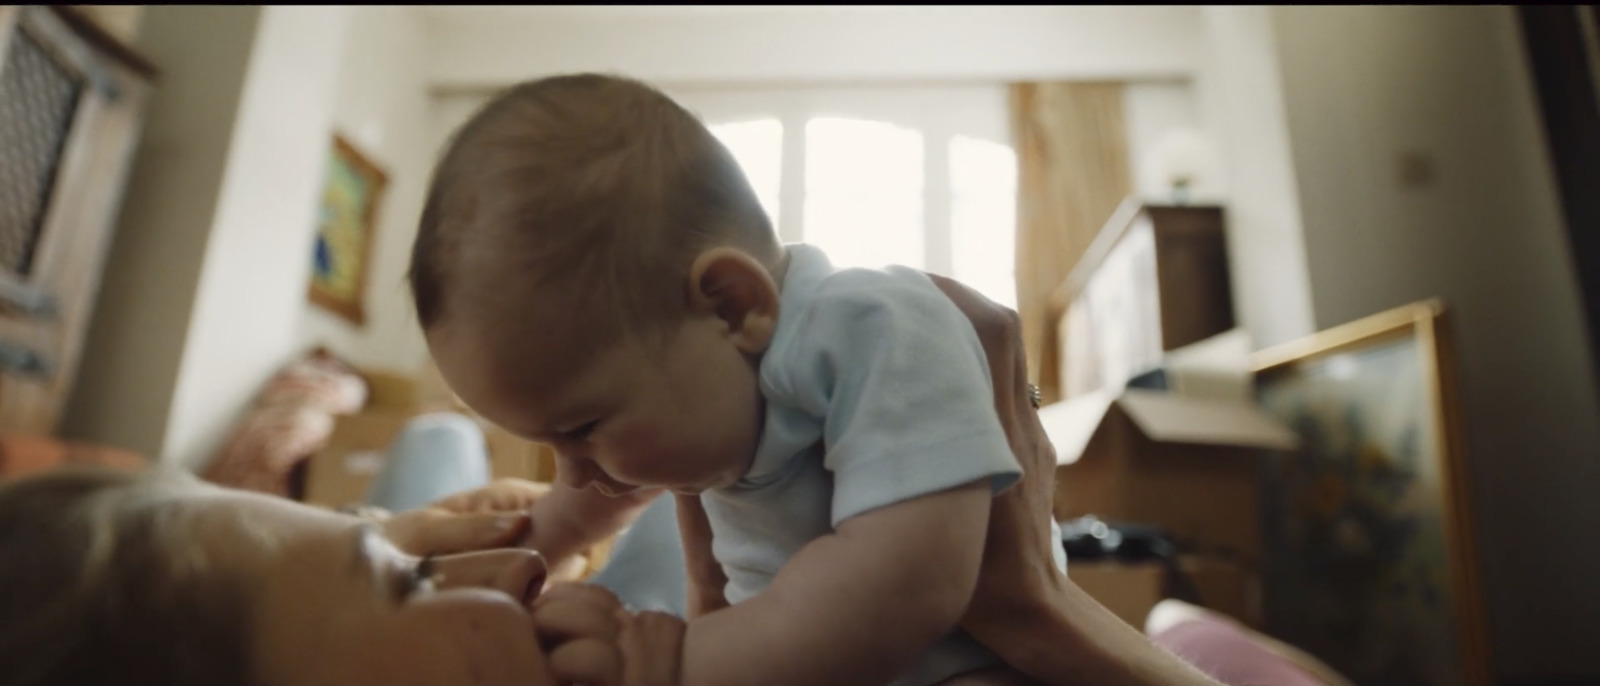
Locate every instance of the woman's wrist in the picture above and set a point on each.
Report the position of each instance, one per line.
(1075, 639)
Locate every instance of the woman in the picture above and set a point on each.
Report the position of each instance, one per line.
(117, 577)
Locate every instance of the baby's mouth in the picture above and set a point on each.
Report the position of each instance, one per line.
(534, 587)
(614, 492)
(612, 488)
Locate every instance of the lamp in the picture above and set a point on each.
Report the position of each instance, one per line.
(1181, 159)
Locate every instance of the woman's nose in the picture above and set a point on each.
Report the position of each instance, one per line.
(518, 572)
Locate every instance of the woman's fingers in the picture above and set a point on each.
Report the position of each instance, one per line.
(505, 493)
(436, 532)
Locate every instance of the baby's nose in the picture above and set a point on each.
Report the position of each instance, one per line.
(574, 471)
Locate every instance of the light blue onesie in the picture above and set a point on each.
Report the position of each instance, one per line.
(877, 392)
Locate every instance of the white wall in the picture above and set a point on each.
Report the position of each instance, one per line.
(1241, 103)
(492, 47)
(141, 322)
(1151, 110)
(252, 288)
(1364, 85)
(382, 106)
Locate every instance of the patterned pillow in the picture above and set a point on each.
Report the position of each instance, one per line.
(291, 420)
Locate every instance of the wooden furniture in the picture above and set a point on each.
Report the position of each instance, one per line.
(1154, 279)
(71, 103)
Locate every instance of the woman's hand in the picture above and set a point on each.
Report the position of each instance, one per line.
(1019, 568)
(590, 638)
(1024, 609)
(506, 494)
(437, 531)
(494, 516)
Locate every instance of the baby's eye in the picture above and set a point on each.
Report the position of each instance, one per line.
(581, 432)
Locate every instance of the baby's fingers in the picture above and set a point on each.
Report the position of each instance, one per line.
(652, 645)
(568, 619)
(586, 661)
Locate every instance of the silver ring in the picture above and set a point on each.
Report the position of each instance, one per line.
(1034, 396)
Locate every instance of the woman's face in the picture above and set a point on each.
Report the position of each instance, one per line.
(334, 602)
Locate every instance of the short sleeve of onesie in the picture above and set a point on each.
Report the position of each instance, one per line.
(903, 387)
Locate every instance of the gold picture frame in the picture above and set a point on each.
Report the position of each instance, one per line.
(353, 188)
(1371, 559)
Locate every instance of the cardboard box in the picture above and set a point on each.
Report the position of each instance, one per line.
(1130, 590)
(511, 455)
(1188, 465)
(341, 472)
(391, 392)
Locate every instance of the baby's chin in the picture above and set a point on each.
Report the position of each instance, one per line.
(616, 491)
(696, 489)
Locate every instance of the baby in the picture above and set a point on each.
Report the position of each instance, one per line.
(593, 270)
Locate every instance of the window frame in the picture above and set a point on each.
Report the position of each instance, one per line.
(939, 112)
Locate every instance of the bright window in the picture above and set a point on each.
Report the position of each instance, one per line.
(758, 146)
(864, 192)
(918, 176)
(983, 217)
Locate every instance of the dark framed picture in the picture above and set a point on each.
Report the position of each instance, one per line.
(1369, 557)
(346, 228)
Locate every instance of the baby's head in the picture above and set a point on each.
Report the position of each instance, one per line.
(592, 269)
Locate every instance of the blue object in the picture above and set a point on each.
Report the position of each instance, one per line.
(435, 456)
(439, 455)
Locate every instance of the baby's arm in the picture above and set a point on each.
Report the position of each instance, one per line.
(705, 576)
(855, 606)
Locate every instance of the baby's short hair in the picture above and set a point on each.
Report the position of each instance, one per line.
(597, 189)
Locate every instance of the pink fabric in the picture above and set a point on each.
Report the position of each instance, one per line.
(1231, 656)
(291, 419)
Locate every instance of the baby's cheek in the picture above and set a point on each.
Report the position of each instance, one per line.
(643, 452)
(669, 457)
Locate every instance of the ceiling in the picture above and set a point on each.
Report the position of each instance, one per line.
(633, 11)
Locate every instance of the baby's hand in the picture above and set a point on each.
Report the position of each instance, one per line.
(590, 638)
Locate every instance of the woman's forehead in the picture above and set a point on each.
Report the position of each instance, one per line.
(259, 527)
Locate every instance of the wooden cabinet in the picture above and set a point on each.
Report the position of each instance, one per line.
(1154, 279)
(71, 101)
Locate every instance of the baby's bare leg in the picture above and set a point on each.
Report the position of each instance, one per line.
(999, 675)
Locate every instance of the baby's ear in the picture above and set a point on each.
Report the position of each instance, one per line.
(735, 288)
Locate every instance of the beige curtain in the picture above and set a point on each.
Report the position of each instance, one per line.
(1073, 171)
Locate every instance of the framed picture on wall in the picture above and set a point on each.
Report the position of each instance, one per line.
(352, 189)
(1370, 561)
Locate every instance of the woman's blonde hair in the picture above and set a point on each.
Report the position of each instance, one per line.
(100, 583)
